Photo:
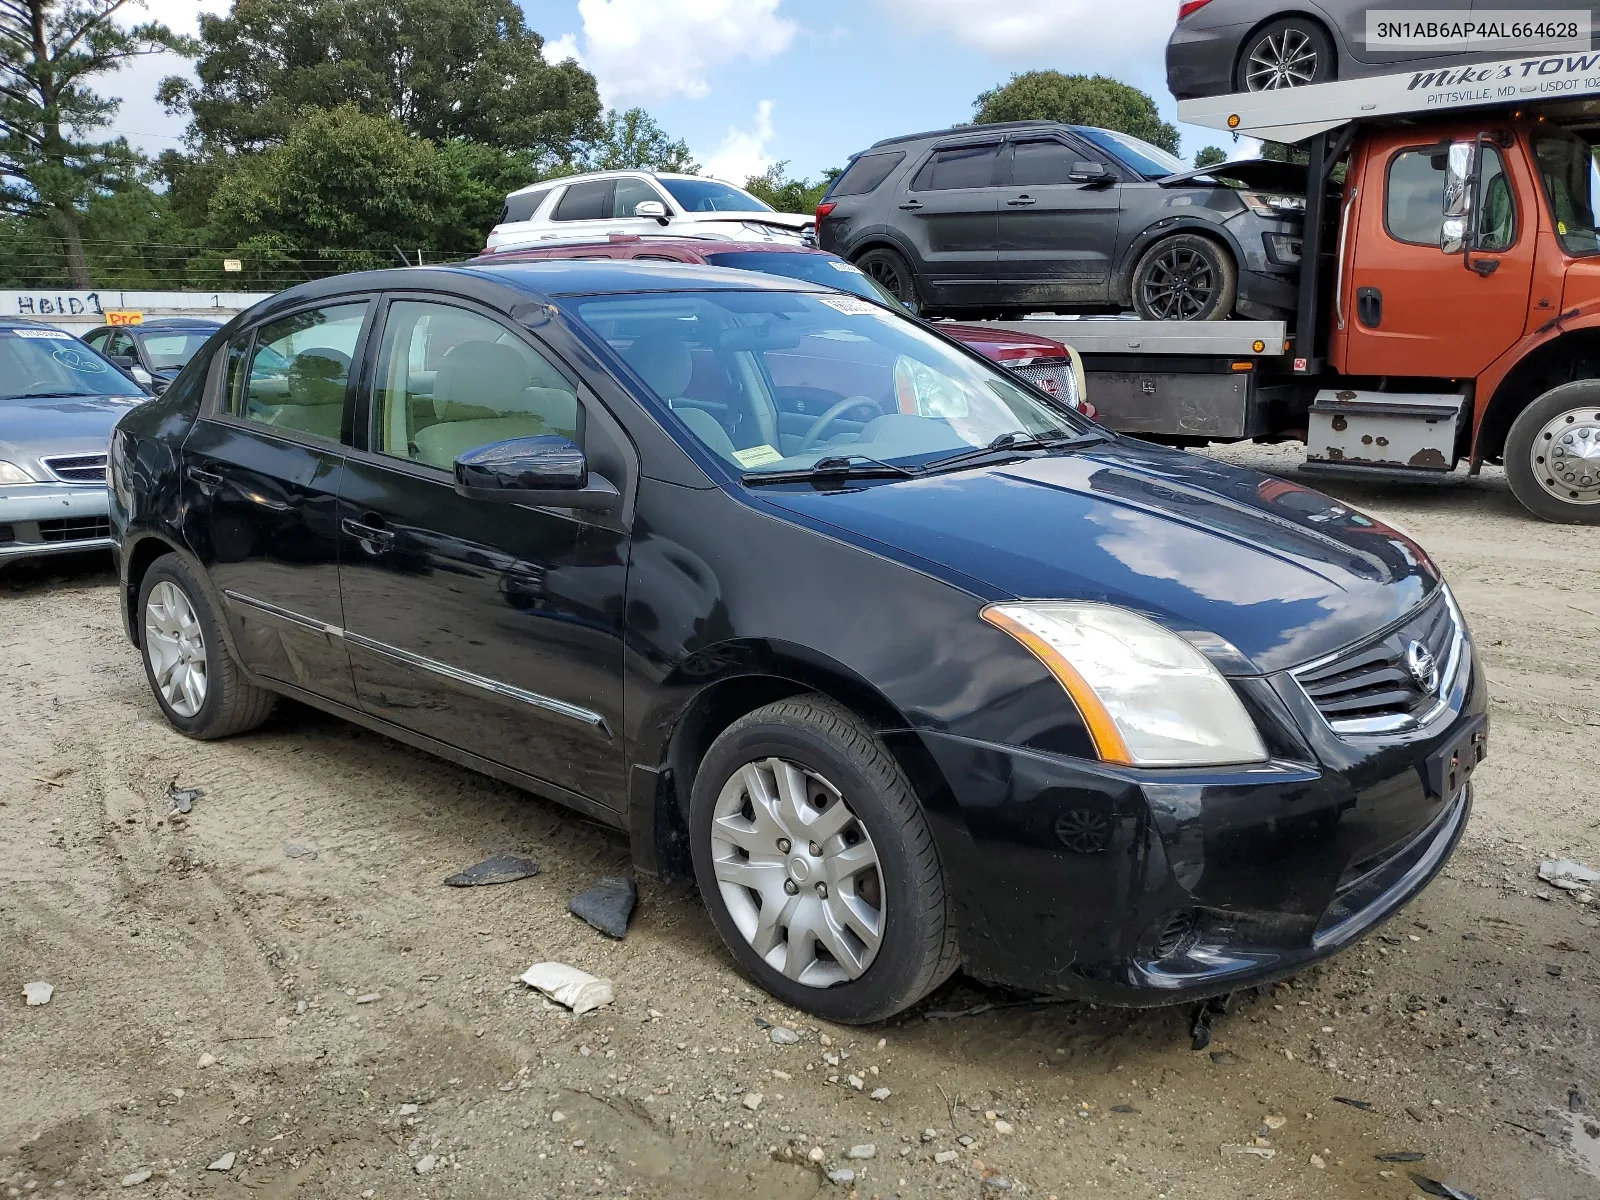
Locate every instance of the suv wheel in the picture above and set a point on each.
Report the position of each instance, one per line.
(199, 687)
(891, 272)
(1552, 454)
(1185, 278)
(1289, 52)
(817, 864)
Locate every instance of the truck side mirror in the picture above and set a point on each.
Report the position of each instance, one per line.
(1460, 182)
(1453, 235)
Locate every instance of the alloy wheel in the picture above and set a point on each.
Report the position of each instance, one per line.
(176, 647)
(798, 873)
(887, 275)
(1285, 59)
(1179, 285)
(1566, 456)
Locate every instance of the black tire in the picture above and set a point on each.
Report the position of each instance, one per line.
(890, 271)
(1301, 44)
(917, 951)
(231, 704)
(1541, 491)
(1185, 277)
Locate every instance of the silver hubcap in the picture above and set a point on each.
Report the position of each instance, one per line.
(1281, 60)
(798, 873)
(176, 649)
(1566, 457)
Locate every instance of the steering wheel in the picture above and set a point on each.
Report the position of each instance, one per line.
(848, 404)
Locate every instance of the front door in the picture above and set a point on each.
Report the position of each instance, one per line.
(597, 208)
(262, 467)
(950, 215)
(1409, 309)
(1056, 236)
(494, 628)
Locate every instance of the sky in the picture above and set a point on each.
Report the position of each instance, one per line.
(751, 82)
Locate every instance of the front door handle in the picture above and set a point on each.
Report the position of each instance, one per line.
(370, 532)
(206, 479)
(912, 205)
(1022, 201)
(1369, 307)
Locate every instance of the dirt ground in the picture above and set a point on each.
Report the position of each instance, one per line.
(280, 976)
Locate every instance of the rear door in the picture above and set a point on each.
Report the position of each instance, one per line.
(1057, 237)
(950, 213)
(493, 628)
(262, 468)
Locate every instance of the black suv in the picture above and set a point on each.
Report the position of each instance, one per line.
(1039, 216)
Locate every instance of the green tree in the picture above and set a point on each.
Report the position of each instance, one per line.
(442, 69)
(1210, 156)
(1077, 100)
(631, 140)
(50, 168)
(349, 190)
(789, 195)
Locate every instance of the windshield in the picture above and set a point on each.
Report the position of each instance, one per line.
(813, 268)
(48, 362)
(707, 195)
(169, 351)
(777, 381)
(1150, 161)
(1572, 186)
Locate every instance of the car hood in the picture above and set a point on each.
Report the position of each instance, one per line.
(792, 222)
(1260, 573)
(1001, 344)
(1252, 172)
(33, 428)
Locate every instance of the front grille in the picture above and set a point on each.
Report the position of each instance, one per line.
(1052, 375)
(1384, 686)
(78, 468)
(74, 529)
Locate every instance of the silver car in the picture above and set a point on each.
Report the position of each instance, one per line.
(58, 402)
(1223, 46)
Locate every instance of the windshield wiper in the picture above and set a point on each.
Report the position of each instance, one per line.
(838, 466)
(48, 395)
(1008, 444)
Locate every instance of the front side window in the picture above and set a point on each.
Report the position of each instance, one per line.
(450, 381)
(1414, 204)
(707, 195)
(1042, 164)
(1152, 162)
(168, 351)
(300, 370)
(632, 192)
(121, 345)
(958, 167)
(752, 375)
(1572, 188)
(585, 202)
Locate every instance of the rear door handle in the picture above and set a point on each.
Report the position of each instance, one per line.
(370, 532)
(1022, 201)
(206, 479)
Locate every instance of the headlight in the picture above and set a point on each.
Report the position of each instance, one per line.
(1149, 698)
(1271, 204)
(11, 473)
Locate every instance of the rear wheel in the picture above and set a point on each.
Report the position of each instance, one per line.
(199, 687)
(817, 864)
(890, 271)
(1286, 53)
(1185, 278)
(1552, 454)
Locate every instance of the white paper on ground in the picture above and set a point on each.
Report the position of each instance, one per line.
(577, 990)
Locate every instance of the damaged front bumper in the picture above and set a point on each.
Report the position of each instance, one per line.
(42, 518)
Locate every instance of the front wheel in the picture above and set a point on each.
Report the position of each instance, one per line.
(817, 864)
(1185, 278)
(1552, 454)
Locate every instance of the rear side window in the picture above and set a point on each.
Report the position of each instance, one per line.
(586, 202)
(866, 173)
(1040, 164)
(522, 207)
(958, 167)
(300, 368)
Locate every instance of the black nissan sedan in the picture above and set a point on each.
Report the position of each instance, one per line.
(910, 666)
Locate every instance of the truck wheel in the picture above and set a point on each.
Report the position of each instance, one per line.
(817, 864)
(199, 687)
(1289, 52)
(891, 272)
(1185, 278)
(1553, 454)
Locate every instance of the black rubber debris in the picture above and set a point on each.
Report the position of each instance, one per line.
(502, 868)
(182, 798)
(1403, 1156)
(1363, 1105)
(607, 905)
(1200, 1029)
(1577, 1101)
(1434, 1188)
(1123, 1108)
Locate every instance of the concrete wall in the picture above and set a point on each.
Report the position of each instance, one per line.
(79, 312)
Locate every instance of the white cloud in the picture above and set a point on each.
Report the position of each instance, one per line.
(744, 152)
(1077, 33)
(141, 118)
(558, 50)
(643, 51)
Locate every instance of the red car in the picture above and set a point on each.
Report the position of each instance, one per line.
(1043, 362)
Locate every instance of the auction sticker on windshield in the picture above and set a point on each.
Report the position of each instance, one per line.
(43, 334)
(850, 306)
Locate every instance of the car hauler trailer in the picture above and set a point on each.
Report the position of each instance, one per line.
(1449, 294)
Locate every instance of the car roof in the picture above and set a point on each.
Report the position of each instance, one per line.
(630, 173)
(25, 323)
(700, 246)
(176, 323)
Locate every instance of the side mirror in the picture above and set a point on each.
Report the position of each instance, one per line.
(652, 208)
(1453, 235)
(1090, 172)
(126, 361)
(549, 471)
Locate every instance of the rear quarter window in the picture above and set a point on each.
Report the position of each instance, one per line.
(866, 173)
(522, 207)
